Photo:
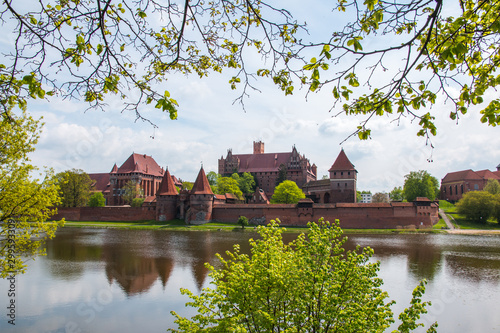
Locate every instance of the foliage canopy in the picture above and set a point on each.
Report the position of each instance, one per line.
(420, 184)
(26, 202)
(75, 187)
(91, 49)
(97, 200)
(309, 285)
(477, 206)
(287, 193)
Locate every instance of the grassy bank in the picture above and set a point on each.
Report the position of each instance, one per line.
(461, 222)
(216, 226)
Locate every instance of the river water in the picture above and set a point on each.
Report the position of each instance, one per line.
(112, 280)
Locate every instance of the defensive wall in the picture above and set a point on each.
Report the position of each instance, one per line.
(105, 214)
(351, 215)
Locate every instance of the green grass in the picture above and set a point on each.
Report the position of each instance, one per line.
(462, 223)
(218, 226)
(440, 225)
(447, 207)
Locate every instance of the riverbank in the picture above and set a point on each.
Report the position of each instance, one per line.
(217, 226)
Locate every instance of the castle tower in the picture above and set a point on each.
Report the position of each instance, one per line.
(166, 199)
(200, 201)
(343, 177)
(258, 147)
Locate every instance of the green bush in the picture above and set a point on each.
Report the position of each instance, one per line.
(137, 202)
(97, 200)
(477, 206)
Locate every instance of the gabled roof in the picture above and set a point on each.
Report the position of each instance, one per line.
(267, 162)
(487, 174)
(201, 184)
(100, 181)
(460, 175)
(167, 186)
(141, 163)
(342, 163)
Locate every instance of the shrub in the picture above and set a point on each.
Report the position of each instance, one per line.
(97, 200)
(137, 202)
(308, 285)
(477, 206)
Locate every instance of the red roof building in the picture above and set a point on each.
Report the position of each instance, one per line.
(455, 184)
(139, 168)
(265, 166)
(341, 187)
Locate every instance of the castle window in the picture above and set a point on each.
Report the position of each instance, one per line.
(462, 188)
(476, 187)
(444, 189)
(349, 173)
(334, 173)
(345, 184)
(456, 189)
(451, 192)
(342, 173)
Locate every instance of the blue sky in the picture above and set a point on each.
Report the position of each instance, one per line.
(210, 123)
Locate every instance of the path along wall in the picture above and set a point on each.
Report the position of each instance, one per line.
(106, 214)
(363, 216)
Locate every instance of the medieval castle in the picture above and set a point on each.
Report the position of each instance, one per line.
(332, 198)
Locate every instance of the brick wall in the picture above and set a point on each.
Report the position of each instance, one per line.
(105, 214)
(384, 216)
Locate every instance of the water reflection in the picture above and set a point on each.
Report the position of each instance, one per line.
(142, 270)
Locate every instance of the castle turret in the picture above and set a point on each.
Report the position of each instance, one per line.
(258, 147)
(200, 201)
(343, 177)
(166, 199)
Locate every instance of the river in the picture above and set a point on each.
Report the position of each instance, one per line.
(112, 280)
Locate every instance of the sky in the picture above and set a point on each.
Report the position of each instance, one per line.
(209, 123)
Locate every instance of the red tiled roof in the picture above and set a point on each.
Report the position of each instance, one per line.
(115, 169)
(101, 181)
(201, 184)
(460, 176)
(342, 163)
(141, 163)
(497, 173)
(487, 174)
(267, 162)
(167, 186)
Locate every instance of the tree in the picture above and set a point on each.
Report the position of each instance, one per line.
(212, 178)
(308, 285)
(496, 213)
(380, 197)
(282, 176)
(396, 194)
(137, 202)
(492, 186)
(89, 49)
(26, 201)
(229, 185)
(477, 206)
(420, 184)
(97, 200)
(287, 193)
(243, 221)
(131, 190)
(75, 187)
(246, 182)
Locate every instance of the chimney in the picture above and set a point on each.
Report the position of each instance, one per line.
(258, 147)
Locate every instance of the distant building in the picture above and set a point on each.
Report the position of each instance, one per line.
(366, 197)
(140, 168)
(265, 166)
(455, 184)
(340, 187)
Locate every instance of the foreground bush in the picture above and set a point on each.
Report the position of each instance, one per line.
(308, 285)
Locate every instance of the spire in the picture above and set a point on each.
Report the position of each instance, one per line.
(342, 163)
(115, 169)
(201, 185)
(167, 186)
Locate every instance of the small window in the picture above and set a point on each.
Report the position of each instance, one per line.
(348, 173)
(342, 173)
(456, 189)
(476, 187)
(462, 188)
